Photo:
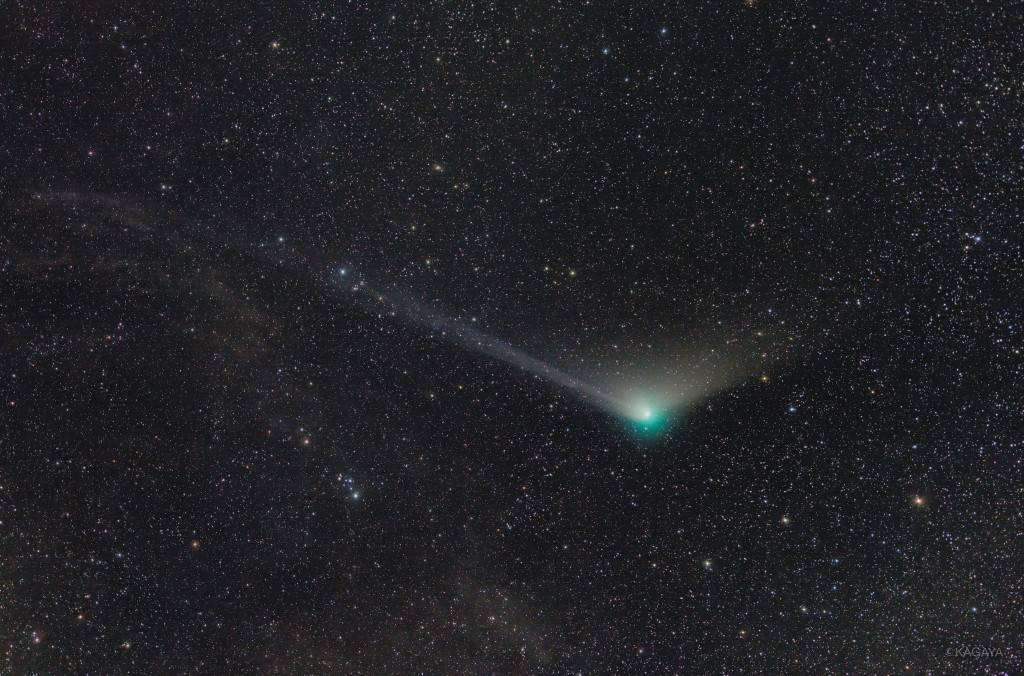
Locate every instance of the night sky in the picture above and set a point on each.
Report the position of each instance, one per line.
(493, 337)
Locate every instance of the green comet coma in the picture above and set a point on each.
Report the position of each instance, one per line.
(649, 420)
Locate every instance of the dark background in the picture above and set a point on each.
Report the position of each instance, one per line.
(212, 463)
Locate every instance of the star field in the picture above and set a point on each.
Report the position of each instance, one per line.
(262, 266)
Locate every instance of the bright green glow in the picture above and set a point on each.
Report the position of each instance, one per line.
(648, 420)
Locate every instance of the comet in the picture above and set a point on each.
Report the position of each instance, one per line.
(647, 400)
(646, 396)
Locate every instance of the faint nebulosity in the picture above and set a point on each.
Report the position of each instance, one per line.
(494, 337)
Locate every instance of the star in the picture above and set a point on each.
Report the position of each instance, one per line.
(575, 324)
